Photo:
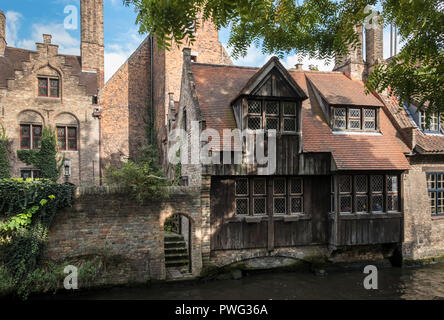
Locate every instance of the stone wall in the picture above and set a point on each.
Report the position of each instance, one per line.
(108, 221)
(423, 233)
(21, 104)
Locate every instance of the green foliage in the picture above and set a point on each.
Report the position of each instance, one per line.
(27, 209)
(44, 159)
(143, 176)
(4, 160)
(321, 29)
(416, 73)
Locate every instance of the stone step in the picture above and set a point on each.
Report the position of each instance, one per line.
(175, 250)
(175, 244)
(176, 263)
(173, 237)
(176, 256)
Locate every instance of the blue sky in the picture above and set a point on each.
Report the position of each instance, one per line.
(27, 20)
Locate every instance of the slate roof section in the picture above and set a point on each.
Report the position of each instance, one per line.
(15, 57)
(217, 86)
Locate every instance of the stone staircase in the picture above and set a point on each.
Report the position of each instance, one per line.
(176, 252)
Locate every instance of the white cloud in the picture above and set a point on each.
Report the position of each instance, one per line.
(12, 27)
(291, 61)
(256, 58)
(117, 53)
(67, 43)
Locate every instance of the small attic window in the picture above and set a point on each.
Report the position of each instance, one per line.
(432, 124)
(272, 114)
(354, 119)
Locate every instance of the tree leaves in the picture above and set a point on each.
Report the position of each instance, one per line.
(321, 29)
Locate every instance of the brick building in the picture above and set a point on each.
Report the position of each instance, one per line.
(44, 88)
(143, 88)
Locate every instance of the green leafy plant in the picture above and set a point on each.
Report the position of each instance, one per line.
(143, 176)
(4, 159)
(27, 209)
(44, 159)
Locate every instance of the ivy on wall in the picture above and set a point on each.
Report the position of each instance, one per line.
(4, 159)
(44, 159)
(27, 209)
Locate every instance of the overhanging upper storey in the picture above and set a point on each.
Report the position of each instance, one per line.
(345, 105)
(270, 100)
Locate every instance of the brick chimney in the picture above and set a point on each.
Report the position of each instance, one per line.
(353, 64)
(2, 33)
(92, 45)
(373, 44)
(298, 67)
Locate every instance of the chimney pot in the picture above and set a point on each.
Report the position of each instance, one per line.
(47, 38)
(298, 67)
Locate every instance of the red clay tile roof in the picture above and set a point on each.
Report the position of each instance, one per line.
(337, 89)
(14, 57)
(350, 151)
(217, 86)
(425, 143)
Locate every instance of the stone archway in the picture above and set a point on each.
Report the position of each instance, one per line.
(190, 235)
(177, 246)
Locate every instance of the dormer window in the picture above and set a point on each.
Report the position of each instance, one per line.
(433, 124)
(354, 118)
(48, 87)
(271, 114)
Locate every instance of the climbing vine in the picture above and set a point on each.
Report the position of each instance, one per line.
(4, 159)
(44, 159)
(27, 209)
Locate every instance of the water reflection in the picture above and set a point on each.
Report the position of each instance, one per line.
(394, 283)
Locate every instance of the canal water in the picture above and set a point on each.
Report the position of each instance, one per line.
(425, 282)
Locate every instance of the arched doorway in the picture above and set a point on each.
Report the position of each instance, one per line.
(177, 246)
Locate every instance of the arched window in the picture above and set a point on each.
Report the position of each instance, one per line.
(67, 132)
(31, 128)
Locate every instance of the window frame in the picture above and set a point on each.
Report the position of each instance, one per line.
(369, 194)
(436, 192)
(67, 138)
(269, 195)
(32, 171)
(347, 118)
(423, 118)
(48, 86)
(280, 117)
(31, 136)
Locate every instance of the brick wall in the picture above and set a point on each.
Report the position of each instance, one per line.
(423, 234)
(125, 113)
(103, 220)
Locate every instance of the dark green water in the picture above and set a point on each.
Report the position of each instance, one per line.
(393, 283)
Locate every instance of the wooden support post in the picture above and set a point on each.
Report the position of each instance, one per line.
(270, 214)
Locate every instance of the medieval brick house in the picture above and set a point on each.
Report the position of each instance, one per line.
(44, 88)
(351, 171)
(143, 88)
